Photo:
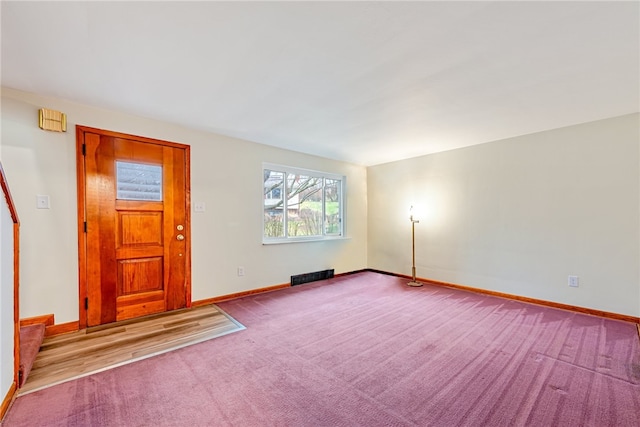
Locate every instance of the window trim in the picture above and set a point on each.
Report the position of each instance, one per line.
(312, 173)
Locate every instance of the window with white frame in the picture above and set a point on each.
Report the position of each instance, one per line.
(301, 204)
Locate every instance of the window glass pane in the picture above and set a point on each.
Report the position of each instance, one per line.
(137, 181)
(273, 203)
(304, 205)
(332, 188)
(301, 204)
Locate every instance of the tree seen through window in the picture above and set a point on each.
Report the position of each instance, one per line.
(311, 206)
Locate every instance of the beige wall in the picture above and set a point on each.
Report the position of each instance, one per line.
(226, 174)
(520, 215)
(513, 216)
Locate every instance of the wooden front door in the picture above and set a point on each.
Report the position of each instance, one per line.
(135, 226)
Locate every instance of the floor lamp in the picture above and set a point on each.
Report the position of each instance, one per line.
(413, 281)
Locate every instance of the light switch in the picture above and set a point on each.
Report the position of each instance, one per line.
(42, 202)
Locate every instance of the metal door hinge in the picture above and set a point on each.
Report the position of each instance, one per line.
(86, 303)
(84, 149)
(85, 226)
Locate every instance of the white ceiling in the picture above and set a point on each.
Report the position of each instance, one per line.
(364, 82)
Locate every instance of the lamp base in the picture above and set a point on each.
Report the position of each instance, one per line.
(414, 284)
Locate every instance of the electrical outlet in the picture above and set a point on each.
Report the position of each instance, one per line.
(573, 281)
(240, 271)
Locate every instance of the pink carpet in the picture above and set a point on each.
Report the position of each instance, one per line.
(365, 350)
(31, 337)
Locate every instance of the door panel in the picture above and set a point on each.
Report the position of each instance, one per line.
(139, 275)
(137, 246)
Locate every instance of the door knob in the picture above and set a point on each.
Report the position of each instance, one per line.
(180, 237)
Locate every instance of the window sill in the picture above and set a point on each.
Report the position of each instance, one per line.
(303, 240)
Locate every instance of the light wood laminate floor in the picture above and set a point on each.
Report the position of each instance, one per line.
(69, 356)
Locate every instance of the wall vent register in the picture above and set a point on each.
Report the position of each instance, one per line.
(311, 277)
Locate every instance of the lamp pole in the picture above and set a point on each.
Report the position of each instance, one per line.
(413, 282)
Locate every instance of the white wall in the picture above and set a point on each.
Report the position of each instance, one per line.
(6, 298)
(226, 174)
(513, 216)
(520, 215)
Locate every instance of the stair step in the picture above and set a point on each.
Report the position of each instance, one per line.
(31, 338)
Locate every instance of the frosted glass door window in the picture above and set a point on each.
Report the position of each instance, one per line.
(137, 181)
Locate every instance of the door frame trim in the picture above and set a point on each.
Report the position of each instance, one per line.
(81, 189)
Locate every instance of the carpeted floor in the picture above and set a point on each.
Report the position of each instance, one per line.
(365, 350)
